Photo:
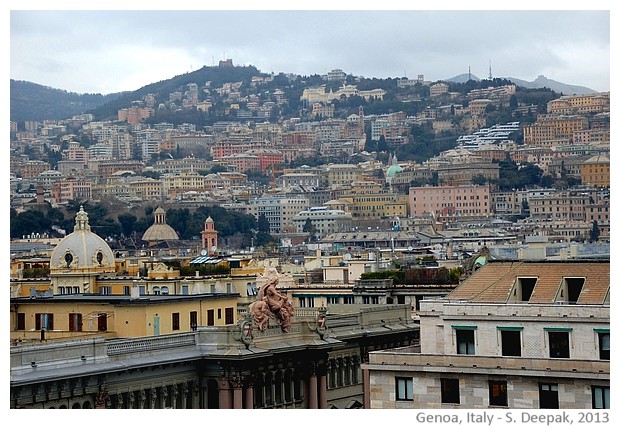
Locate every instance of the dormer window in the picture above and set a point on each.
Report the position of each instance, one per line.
(570, 289)
(523, 289)
(99, 257)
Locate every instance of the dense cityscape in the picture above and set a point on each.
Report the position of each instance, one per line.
(230, 238)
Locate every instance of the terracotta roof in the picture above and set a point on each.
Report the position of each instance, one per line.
(495, 281)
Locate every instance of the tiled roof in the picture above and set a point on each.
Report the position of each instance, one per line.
(494, 282)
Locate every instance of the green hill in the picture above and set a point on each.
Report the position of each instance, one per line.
(34, 102)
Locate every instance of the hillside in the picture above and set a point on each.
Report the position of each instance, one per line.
(216, 75)
(34, 102)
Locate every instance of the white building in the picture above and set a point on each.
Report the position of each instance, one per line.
(323, 220)
(515, 334)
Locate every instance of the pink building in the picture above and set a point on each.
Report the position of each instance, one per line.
(450, 201)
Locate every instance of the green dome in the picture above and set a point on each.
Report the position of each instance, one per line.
(393, 170)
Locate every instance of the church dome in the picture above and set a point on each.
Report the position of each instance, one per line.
(393, 170)
(82, 250)
(160, 230)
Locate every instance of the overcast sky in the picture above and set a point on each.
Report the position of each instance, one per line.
(99, 51)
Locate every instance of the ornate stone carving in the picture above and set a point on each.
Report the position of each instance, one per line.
(271, 304)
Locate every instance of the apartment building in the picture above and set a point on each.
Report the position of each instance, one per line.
(550, 129)
(512, 335)
(595, 171)
(70, 189)
(175, 184)
(463, 173)
(438, 89)
(278, 210)
(579, 104)
(336, 175)
(322, 221)
(559, 205)
(450, 201)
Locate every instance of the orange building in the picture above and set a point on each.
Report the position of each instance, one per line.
(595, 171)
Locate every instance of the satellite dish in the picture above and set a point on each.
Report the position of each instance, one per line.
(203, 252)
(213, 249)
(347, 256)
(410, 248)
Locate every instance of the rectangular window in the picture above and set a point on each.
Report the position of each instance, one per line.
(302, 302)
(185, 290)
(176, 321)
(126, 290)
(450, 391)
(365, 300)
(193, 320)
(465, 344)
(21, 321)
(603, 345)
(219, 313)
(142, 290)
(559, 344)
(44, 321)
(511, 342)
(348, 299)
(498, 395)
(105, 290)
(548, 395)
(230, 319)
(102, 322)
(404, 389)
(210, 317)
(600, 397)
(374, 299)
(75, 322)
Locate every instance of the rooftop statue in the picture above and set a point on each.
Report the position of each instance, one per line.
(271, 304)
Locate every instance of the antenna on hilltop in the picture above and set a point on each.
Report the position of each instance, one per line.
(469, 74)
(490, 74)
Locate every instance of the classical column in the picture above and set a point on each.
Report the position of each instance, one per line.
(237, 384)
(173, 397)
(249, 396)
(225, 403)
(323, 391)
(141, 399)
(313, 402)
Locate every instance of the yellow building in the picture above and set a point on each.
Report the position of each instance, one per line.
(78, 316)
(553, 129)
(368, 200)
(595, 171)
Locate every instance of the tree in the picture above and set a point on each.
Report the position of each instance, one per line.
(594, 232)
(263, 223)
(127, 221)
(308, 227)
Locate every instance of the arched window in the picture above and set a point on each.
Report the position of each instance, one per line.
(156, 290)
(164, 290)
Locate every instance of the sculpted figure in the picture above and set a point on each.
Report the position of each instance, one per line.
(272, 304)
(261, 314)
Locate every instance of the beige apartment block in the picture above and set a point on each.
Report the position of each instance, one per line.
(513, 335)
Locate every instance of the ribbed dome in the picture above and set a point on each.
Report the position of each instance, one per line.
(160, 230)
(82, 249)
